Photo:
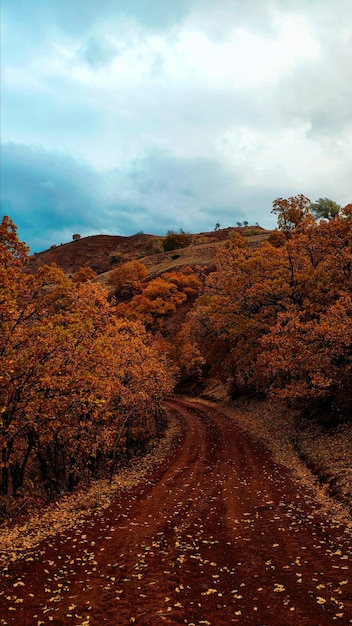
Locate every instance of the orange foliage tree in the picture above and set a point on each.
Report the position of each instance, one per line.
(161, 297)
(307, 356)
(127, 279)
(240, 301)
(83, 274)
(79, 387)
(292, 212)
(279, 317)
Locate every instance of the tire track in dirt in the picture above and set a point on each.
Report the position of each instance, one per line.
(218, 535)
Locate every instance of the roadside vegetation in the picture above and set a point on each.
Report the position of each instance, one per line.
(80, 387)
(85, 369)
(276, 320)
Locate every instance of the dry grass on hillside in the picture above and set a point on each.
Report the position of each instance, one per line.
(156, 264)
(200, 254)
(104, 252)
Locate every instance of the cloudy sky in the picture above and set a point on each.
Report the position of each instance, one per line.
(120, 116)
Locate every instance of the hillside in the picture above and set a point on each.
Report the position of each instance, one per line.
(104, 252)
(94, 251)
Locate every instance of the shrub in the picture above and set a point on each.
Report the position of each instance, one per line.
(175, 241)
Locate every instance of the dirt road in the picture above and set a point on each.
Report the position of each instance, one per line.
(218, 535)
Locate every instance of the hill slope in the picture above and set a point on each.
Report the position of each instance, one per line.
(104, 252)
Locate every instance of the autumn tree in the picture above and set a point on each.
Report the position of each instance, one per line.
(13, 253)
(277, 318)
(307, 354)
(291, 212)
(161, 297)
(240, 301)
(83, 274)
(127, 279)
(79, 386)
(308, 361)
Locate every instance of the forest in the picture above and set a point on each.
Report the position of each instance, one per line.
(84, 370)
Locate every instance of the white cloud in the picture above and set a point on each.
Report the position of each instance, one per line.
(260, 91)
(247, 58)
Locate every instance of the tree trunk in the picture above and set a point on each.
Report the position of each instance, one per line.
(5, 472)
(18, 470)
(4, 476)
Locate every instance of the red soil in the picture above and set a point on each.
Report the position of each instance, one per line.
(218, 535)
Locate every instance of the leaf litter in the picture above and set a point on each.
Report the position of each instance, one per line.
(214, 554)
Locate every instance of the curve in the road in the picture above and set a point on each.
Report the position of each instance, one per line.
(219, 535)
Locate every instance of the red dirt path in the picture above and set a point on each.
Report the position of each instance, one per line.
(218, 535)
